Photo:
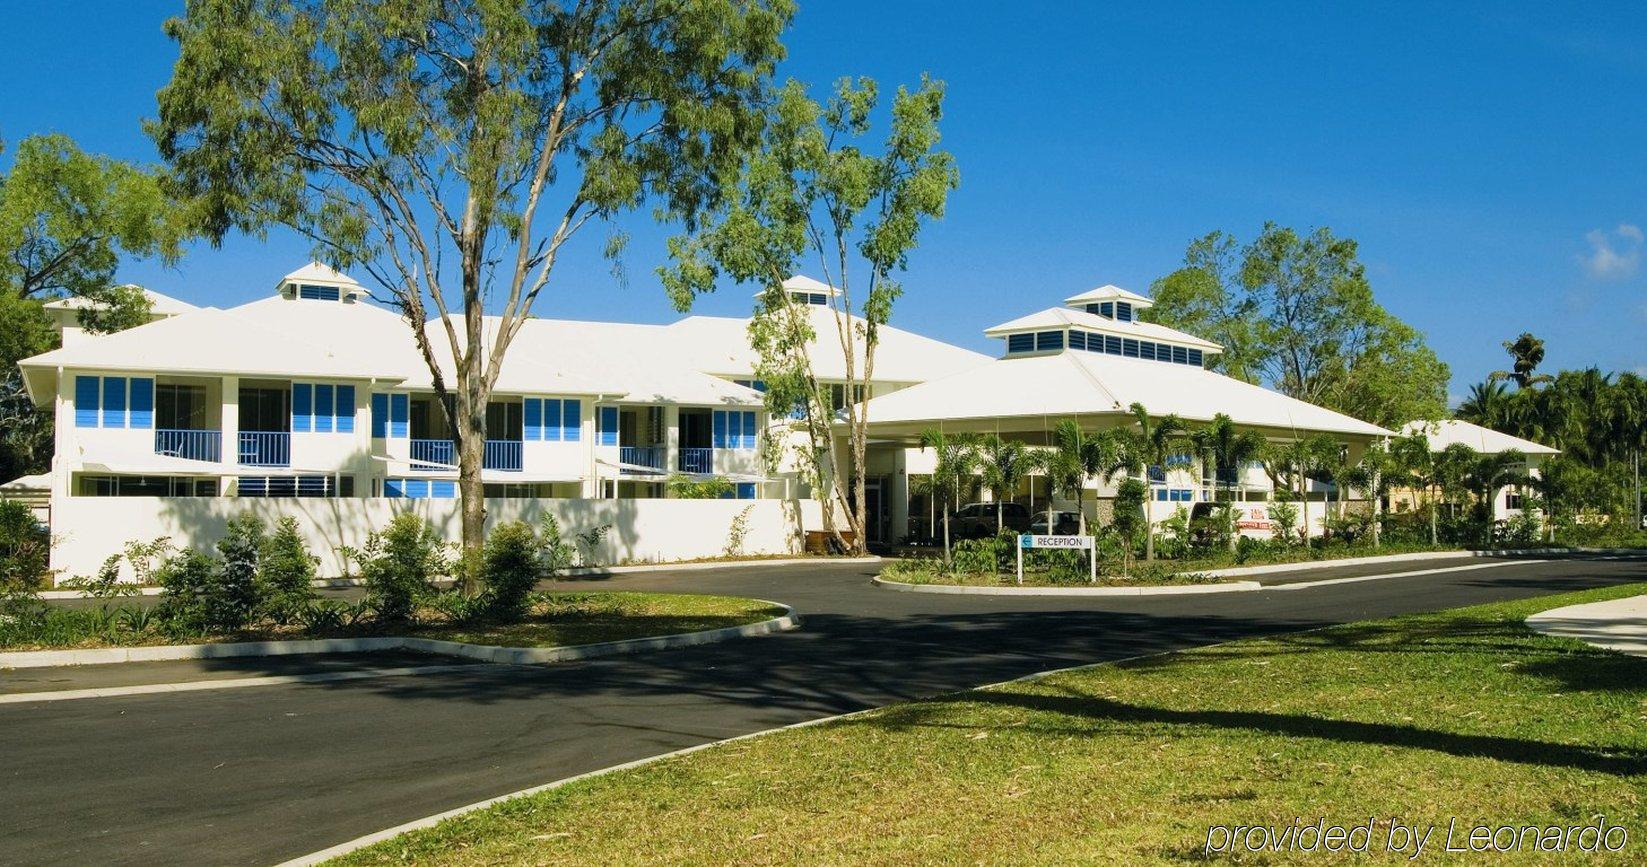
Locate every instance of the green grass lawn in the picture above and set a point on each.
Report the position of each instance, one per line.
(928, 571)
(1462, 714)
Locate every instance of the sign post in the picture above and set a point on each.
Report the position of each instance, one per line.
(1029, 540)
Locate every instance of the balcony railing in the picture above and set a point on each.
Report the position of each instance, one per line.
(697, 461)
(641, 456)
(502, 455)
(432, 455)
(195, 445)
(260, 448)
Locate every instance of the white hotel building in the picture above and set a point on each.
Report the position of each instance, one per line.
(313, 401)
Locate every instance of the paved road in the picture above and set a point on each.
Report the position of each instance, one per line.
(265, 773)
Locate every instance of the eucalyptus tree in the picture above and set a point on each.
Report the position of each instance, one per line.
(452, 148)
(813, 193)
(957, 458)
(1151, 442)
(1004, 464)
(1223, 447)
(67, 219)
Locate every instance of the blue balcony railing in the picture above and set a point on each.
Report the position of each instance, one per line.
(641, 456)
(697, 460)
(502, 455)
(429, 455)
(195, 445)
(265, 448)
(433, 454)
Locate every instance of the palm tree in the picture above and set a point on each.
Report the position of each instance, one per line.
(1151, 444)
(1004, 464)
(1526, 354)
(1225, 447)
(1075, 457)
(1486, 475)
(956, 456)
(1489, 405)
(1418, 463)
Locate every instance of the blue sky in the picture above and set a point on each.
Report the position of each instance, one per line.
(1490, 162)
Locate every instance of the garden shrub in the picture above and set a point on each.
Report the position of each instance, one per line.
(400, 565)
(510, 564)
(191, 602)
(286, 572)
(25, 549)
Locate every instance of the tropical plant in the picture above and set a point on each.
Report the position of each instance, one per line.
(1076, 457)
(1129, 521)
(286, 572)
(956, 456)
(1226, 448)
(1004, 464)
(25, 548)
(1153, 442)
(684, 487)
(1489, 404)
(511, 564)
(1412, 457)
(1526, 353)
(400, 564)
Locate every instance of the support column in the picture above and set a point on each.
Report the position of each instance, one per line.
(230, 423)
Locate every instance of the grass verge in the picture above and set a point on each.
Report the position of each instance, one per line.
(1463, 714)
(554, 620)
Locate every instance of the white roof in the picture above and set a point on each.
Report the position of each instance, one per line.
(319, 272)
(803, 283)
(1108, 292)
(1044, 388)
(1063, 317)
(720, 345)
(159, 304)
(24, 484)
(1484, 440)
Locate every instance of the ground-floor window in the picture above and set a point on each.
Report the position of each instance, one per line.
(296, 486)
(1175, 495)
(420, 489)
(1512, 500)
(740, 491)
(145, 486)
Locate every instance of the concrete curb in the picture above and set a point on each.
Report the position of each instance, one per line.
(1616, 624)
(482, 652)
(1159, 590)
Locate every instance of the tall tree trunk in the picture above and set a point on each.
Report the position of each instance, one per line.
(1377, 509)
(947, 556)
(1149, 522)
(1434, 539)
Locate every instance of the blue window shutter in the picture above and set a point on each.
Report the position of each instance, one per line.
(532, 415)
(571, 420)
(323, 408)
(400, 407)
(394, 488)
(746, 490)
(1077, 339)
(86, 400)
(718, 431)
(114, 401)
(142, 410)
(345, 409)
(302, 406)
(608, 425)
(1195, 357)
(442, 489)
(749, 430)
(417, 489)
(551, 419)
(380, 416)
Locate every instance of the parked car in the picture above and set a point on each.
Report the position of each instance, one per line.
(977, 520)
(1062, 524)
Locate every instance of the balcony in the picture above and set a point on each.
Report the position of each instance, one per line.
(435, 455)
(697, 461)
(265, 448)
(641, 456)
(194, 445)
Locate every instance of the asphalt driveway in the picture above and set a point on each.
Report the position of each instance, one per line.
(267, 773)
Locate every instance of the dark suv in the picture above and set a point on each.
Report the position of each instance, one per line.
(977, 520)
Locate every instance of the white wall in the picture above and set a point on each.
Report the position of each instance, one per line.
(86, 530)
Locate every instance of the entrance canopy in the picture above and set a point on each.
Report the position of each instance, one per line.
(1027, 396)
